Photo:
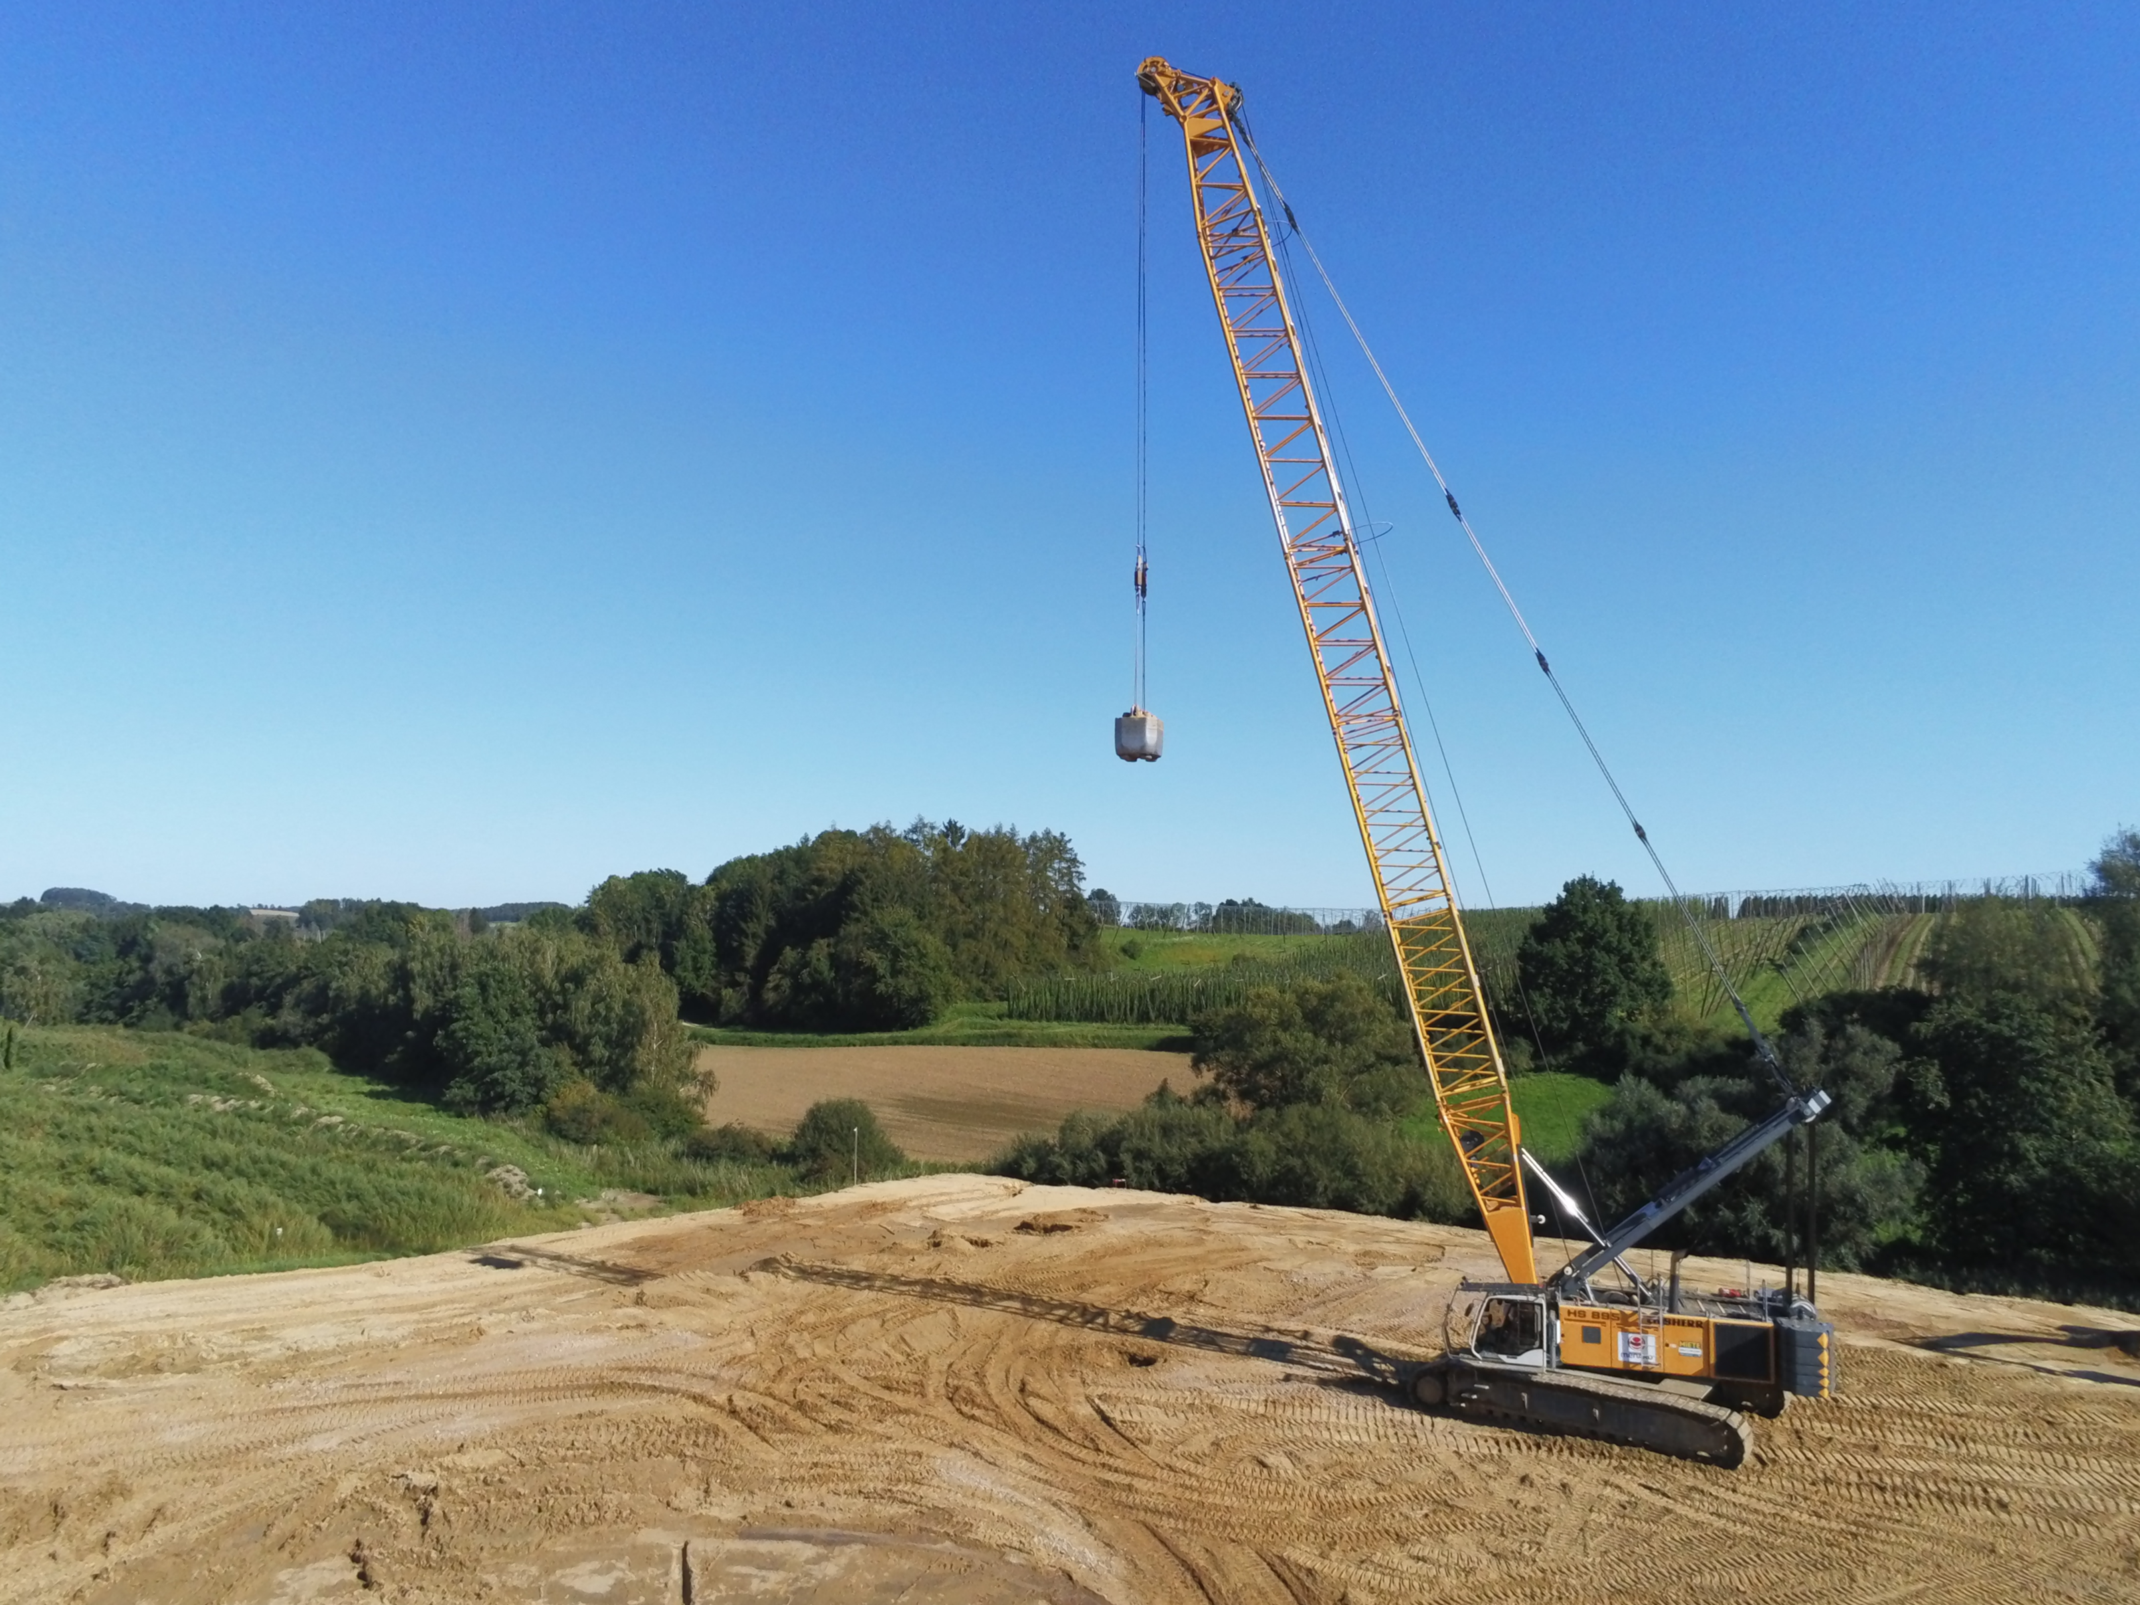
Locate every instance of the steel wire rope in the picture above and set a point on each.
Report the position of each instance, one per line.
(1144, 369)
(1320, 374)
(1762, 1047)
(1324, 389)
(1404, 631)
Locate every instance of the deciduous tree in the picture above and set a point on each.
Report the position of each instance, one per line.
(1592, 975)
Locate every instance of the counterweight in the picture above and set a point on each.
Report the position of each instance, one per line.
(1351, 663)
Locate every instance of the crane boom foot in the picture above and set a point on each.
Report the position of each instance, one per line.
(1572, 1402)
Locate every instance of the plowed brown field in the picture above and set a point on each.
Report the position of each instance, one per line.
(958, 1389)
(960, 1104)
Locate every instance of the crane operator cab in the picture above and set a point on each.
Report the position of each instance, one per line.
(1511, 1329)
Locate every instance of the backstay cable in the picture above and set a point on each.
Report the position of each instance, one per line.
(1762, 1046)
(1312, 350)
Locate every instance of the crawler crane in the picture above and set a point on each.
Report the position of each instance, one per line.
(1592, 1348)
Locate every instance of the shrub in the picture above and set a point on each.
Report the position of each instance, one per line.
(839, 1135)
(582, 1112)
(1323, 1156)
(1318, 1156)
(669, 1109)
(732, 1144)
(1169, 1145)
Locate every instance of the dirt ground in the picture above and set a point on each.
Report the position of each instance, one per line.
(958, 1104)
(960, 1389)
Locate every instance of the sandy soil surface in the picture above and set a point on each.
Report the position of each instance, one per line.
(960, 1104)
(959, 1389)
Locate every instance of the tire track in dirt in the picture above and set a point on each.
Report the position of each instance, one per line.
(1155, 1400)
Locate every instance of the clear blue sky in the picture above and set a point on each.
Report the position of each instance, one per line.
(460, 451)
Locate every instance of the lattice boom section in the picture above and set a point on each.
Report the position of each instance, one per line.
(1351, 661)
(1460, 1052)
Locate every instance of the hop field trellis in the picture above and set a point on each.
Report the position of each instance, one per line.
(1779, 948)
(1783, 948)
(1232, 917)
(1174, 997)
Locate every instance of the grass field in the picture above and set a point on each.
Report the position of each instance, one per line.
(154, 1155)
(1551, 1108)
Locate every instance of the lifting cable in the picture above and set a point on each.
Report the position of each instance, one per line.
(1144, 167)
(1762, 1046)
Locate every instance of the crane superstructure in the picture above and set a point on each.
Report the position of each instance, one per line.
(1563, 1352)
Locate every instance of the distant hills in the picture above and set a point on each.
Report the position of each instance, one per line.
(84, 900)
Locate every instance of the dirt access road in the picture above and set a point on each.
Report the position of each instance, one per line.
(958, 1104)
(959, 1389)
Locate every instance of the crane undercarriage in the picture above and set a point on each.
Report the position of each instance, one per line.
(1651, 1367)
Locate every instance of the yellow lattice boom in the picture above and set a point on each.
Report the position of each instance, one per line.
(1359, 689)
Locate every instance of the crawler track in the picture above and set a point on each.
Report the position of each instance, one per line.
(1588, 1407)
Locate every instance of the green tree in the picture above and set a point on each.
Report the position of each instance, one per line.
(1005, 905)
(38, 987)
(491, 1044)
(617, 1020)
(1654, 1129)
(895, 973)
(883, 971)
(1592, 974)
(1327, 1041)
(862, 930)
(2114, 900)
(2033, 1163)
(658, 912)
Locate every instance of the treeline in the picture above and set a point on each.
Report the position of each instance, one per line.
(579, 1011)
(493, 1020)
(874, 930)
(1232, 916)
(1303, 1099)
(1985, 1129)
